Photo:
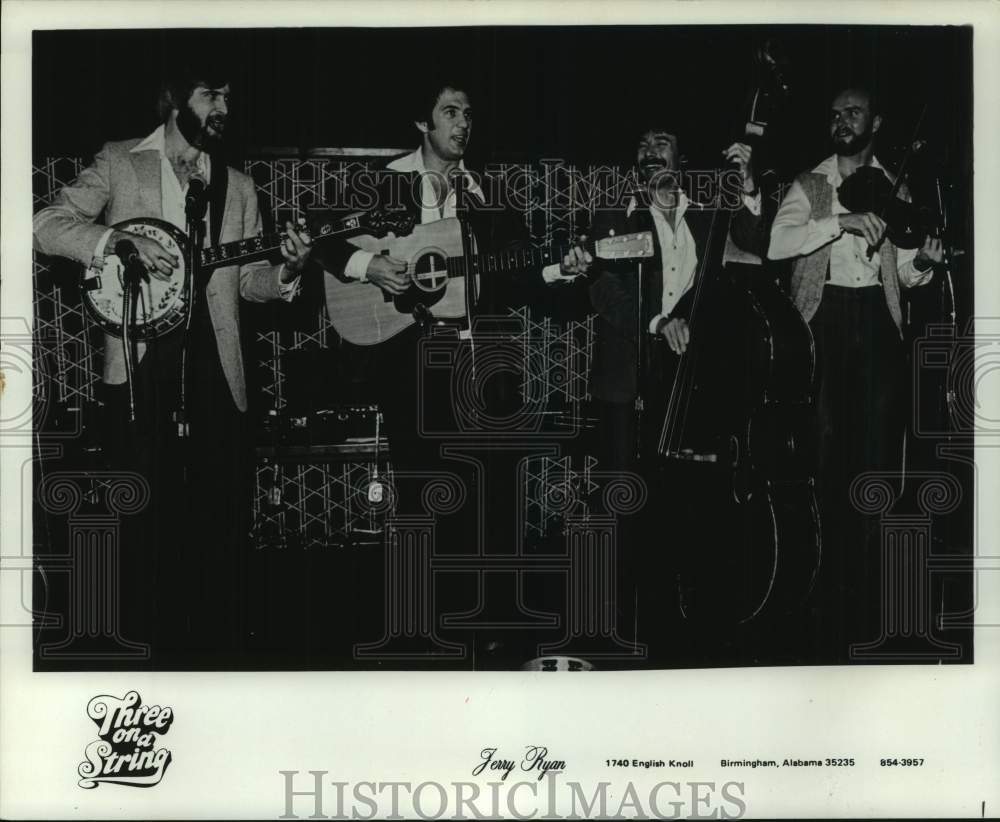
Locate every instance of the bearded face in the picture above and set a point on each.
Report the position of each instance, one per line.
(656, 161)
(202, 119)
(847, 143)
(656, 155)
(852, 125)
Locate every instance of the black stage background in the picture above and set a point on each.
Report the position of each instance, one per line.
(580, 95)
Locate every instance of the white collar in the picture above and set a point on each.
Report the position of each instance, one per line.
(157, 141)
(415, 162)
(829, 168)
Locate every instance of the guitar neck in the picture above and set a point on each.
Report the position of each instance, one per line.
(513, 260)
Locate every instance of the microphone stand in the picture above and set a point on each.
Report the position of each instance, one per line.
(947, 291)
(132, 276)
(644, 341)
(468, 261)
(642, 367)
(195, 208)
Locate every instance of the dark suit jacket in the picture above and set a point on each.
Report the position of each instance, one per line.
(614, 294)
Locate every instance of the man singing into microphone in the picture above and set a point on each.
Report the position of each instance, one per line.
(198, 484)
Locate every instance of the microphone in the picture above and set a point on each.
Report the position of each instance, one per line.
(134, 268)
(195, 201)
(126, 251)
(196, 188)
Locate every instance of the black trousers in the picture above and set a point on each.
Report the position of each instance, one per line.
(183, 557)
(860, 421)
(413, 399)
(627, 441)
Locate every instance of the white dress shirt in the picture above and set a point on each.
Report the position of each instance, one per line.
(431, 209)
(678, 256)
(793, 234)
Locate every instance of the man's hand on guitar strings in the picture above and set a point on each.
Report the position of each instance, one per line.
(388, 273)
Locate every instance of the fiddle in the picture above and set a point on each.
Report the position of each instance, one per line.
(868, 189)
(873, 192)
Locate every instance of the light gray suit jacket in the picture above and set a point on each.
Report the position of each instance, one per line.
(125, 185)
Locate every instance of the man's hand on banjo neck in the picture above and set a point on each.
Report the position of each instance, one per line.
(295, 248)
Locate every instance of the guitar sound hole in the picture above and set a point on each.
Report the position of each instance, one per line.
(430, 271)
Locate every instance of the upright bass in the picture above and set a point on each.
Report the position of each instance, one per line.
(744, 520)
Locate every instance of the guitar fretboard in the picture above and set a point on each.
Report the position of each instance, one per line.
(513, 260)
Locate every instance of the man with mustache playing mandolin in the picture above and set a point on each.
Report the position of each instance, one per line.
(199, 484)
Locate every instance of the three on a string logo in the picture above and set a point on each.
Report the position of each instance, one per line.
(126, 752)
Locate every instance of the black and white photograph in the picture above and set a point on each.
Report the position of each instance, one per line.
(366, 362)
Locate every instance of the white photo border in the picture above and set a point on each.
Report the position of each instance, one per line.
(234, 732)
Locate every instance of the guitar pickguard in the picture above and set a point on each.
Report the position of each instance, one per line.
(428, 271)
(365, 315)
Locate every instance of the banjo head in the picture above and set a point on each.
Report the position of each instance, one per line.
(161, 303)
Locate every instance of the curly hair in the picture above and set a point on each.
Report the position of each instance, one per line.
(204, 70)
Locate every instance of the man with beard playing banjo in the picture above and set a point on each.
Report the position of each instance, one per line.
(189, 539)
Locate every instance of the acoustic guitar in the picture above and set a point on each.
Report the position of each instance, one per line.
(365, 315)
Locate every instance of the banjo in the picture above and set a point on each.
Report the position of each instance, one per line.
(162, 305)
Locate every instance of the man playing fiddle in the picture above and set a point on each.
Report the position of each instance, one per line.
(852, 302)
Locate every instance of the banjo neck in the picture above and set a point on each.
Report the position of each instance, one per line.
(166, 302)
(256, 248)
(240, 251)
